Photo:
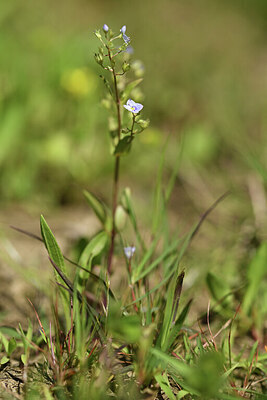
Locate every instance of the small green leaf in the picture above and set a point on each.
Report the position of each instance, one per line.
(57, 258)
(164, 384)
(144, 123)
(29, 332)
(123, 146)
(182, 393)
(24, 358)
(11, 346)
(11, 332)
(4, 360)
(4, 340)
(51, 245)
(98, 34)
(99, 208)
(94, 248)
(126, 66)
(43, 335)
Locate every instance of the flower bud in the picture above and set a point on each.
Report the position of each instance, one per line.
(144, 123)
(126, 66)
(120, 218)
(99, 59)
(105, 28)
(98, 34)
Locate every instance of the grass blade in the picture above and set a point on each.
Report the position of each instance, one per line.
(164, 384)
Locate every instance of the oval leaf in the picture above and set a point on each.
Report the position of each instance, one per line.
(51, 245)
(100, 209)
(93, 249)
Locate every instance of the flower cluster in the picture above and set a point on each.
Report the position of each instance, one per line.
(114, 56)
(122, 30)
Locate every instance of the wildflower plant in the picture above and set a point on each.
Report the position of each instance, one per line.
(113, 57)
(135, 343)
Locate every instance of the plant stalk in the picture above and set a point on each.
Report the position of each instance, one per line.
(132, 128)
(115, 188)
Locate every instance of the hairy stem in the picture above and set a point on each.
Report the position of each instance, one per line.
(115, 188)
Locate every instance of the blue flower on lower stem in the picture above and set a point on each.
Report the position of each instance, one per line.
(133, 107)
(129, 251)
(124, 36)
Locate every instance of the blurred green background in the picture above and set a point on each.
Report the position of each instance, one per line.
(205, 89)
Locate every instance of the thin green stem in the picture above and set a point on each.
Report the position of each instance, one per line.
(132, 132)
(116, 169)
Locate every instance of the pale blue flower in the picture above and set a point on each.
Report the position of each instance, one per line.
(133, 107)
(105, 28)
(129, 251)
(124, 36)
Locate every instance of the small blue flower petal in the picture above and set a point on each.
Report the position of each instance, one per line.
(105, 28)
(129, 251)
(126, 38)
(133, 107)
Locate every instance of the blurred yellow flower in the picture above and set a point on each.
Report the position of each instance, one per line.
(79, 82)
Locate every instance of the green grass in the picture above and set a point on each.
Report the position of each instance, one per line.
(137, 338)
